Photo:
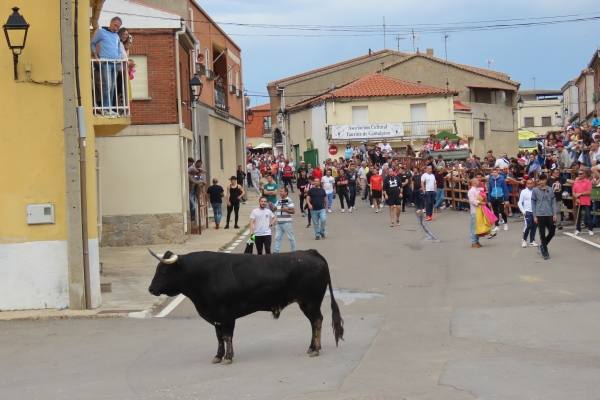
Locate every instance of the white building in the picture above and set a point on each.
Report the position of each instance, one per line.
(540, 110)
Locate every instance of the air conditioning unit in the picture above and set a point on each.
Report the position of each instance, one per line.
(232, 89)
(210, 74)
(239, 93)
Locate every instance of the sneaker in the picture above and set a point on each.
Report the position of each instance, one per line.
(317, 237)
(577, 232)
(475, 245)
(591, 233)
(428, 218)
(323, 235)
(351, 209)
(372, 205)
(505, 227)
(495, 229)
(236, 226)
(443, 207)
(343, 211)
(377, 210)
(492, 235)
(533, 244)
(329, 210)
(524, 243)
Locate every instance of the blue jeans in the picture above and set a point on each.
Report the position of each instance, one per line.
(109, 83)
(329, 200)
(530, 227)
(474, 237)
(280, 229)
(217, 212)
(429, 202)
(319, 218)
(439, 198)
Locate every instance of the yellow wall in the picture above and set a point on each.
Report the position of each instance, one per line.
(220, 129)
(140, 174)
(31, 138)
(300, 128)
(390, 110)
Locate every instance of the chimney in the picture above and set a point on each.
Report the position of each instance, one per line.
(429, 52)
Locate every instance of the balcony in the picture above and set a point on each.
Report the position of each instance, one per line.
(221, 101)
(110, 95)
(420, 129)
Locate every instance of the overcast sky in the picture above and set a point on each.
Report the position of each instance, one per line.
(552, 54)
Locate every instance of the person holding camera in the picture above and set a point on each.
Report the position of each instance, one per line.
(284, 210)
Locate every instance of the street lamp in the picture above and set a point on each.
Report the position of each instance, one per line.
(15, 31)
(520, 102)
(195, 88)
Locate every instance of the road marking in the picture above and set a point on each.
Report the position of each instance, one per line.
(237, 242)
(171, 306)
(530, 279)
(582, 239)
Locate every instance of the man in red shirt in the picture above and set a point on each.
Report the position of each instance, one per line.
(376, 183)
(582, 190)
(317, 173)
(288, 175)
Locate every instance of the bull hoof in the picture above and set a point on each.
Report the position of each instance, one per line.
(227, 361)
(216, 360)
(313, 353)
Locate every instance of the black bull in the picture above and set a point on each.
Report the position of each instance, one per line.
(224, 287)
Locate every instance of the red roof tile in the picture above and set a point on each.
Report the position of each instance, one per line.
(377, 85)
(458, 106)
(261, 107)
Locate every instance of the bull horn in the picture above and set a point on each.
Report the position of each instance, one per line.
(170, 260)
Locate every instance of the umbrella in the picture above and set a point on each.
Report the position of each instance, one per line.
(447, 134)
(524, 142)
(262, 146)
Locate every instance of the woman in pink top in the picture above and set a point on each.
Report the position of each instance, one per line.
(582, 190)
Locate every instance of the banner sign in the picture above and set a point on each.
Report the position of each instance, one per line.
(366, 132)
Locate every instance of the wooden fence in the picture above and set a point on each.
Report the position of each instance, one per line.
(201, 217)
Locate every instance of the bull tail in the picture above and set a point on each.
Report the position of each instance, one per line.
(337, 321)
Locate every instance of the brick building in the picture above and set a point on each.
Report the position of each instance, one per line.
(258, 125)
(143, 168)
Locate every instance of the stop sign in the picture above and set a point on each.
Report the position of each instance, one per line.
(333, 149)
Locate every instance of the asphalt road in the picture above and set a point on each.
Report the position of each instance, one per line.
(423, 321)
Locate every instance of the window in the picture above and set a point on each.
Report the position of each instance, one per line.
(139, 85)
(528, 122)
(360, 115)
(221, 153)
(500, 97)
(546, 121)
(482, 96)
(481, 130)
(266, 125)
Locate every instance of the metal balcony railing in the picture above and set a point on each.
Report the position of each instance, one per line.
(428, 128)
(110, 88)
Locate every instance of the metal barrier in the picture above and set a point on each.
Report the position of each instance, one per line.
(110, 83)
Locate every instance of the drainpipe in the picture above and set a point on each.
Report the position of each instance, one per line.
(180, 123)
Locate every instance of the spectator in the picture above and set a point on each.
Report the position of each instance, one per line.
(284, 210)
(582, 190)
(106, 45)
(261, 221)
(215, 195)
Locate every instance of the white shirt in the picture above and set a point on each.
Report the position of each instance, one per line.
(473, 195)
(262, 221)
(525, 200)
(385, 148)
(327, 182)
(428, 182)
(501, 163)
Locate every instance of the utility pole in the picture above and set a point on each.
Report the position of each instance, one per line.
(414, 39)
(446, 36)
(398, 39)
(533, 82)
(384, 33)
(75, 251)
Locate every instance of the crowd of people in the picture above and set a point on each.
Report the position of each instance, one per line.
(547, 185)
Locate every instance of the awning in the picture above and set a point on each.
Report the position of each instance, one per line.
(262, 146)
(458, 106)
(524, 142)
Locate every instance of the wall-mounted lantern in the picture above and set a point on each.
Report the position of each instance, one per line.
(195, 88)
(15, 31)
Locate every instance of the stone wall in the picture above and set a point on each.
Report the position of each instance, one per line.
(137, 230)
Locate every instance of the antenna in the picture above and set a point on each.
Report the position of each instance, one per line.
(398, 39)
(489, 62)
(446, 36)
(533, 82)
(414, 39)
(384, 32)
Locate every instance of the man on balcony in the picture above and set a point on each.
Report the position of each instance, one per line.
(106, 46)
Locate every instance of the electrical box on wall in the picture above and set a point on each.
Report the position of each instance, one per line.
(40, 214)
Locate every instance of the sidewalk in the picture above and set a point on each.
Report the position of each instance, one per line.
(129, 270)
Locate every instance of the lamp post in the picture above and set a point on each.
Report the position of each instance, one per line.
(15, 31)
